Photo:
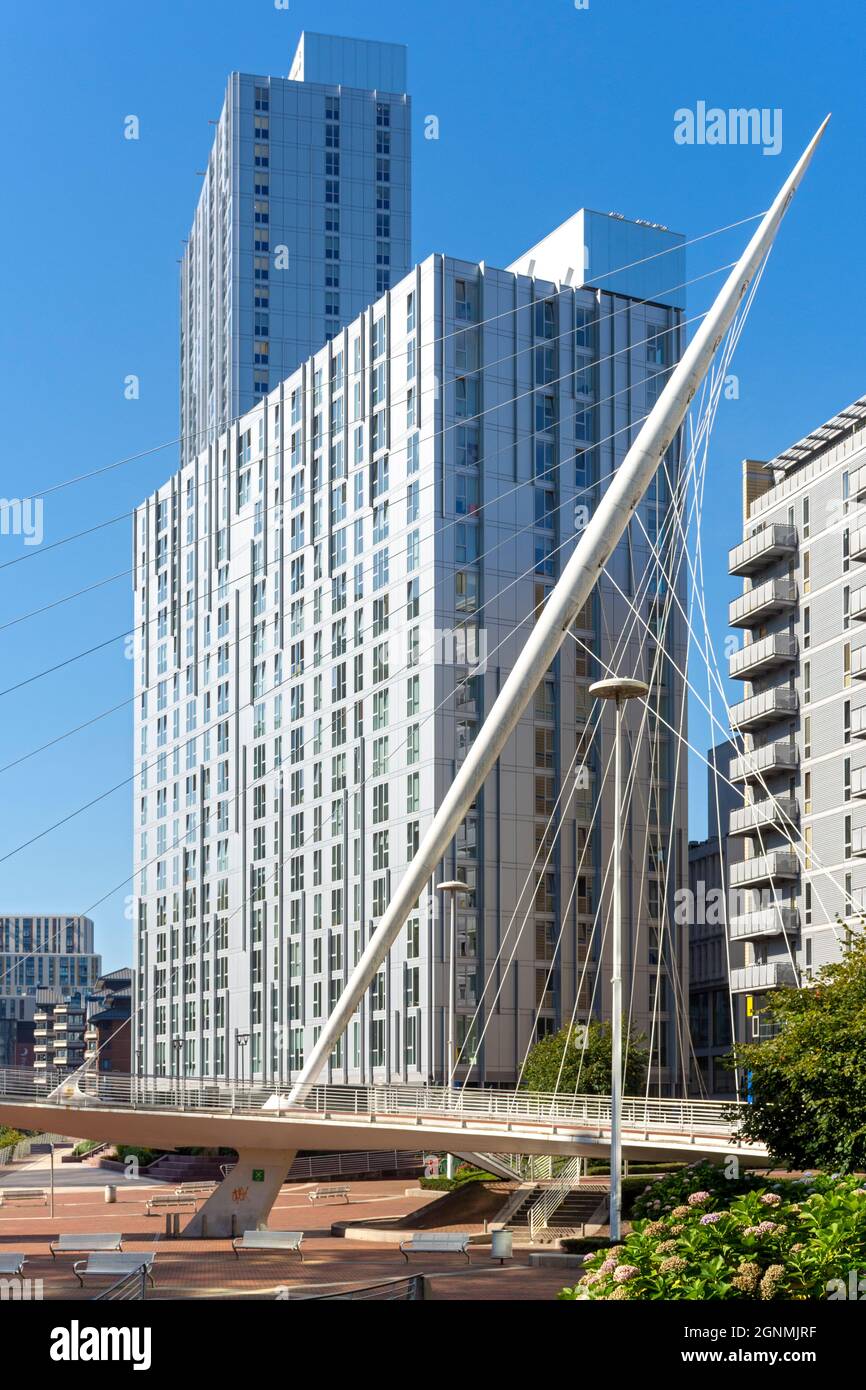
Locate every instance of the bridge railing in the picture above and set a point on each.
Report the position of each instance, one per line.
(513, 1107)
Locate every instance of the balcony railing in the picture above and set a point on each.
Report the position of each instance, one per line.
(858, 544)
(756, 552)
(778, 649)
(858, 663)
(753, 979)
(752, 607)
(858, 603)
(767, 921)
(857, 483)
(858, 722)
(770, 705)
(765, 868)
(757, 763)
(858, 841)
(763, 815)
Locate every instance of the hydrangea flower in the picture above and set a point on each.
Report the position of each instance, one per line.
(764, 1229)
(770, 1199)
(623, 1273)
(681, 1211)
(711, 1217)
(608, 1267)
(674, 1264)
(697, 1199)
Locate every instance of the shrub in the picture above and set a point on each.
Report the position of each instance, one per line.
(655, 1199)
(144, 1156)
(762, 1244)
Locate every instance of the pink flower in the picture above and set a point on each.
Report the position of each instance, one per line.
(770, 1199)
(711, 1217)
(623, 1273)
(697, 1199)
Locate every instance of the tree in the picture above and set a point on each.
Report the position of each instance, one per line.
(807, 1084)
(585, 1069)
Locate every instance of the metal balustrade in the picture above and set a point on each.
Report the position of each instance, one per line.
(183, 1095)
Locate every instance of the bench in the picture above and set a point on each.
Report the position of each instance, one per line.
(289, 1241)
(24, 1194)
(113, 1264)
(197, 1189)
(170, 1199)
(322, 1193)
(437, 1243)
(87, 1243)
(11, 1262)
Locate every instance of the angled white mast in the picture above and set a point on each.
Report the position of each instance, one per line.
(571, 591)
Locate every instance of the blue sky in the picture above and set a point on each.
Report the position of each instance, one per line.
(543, 108)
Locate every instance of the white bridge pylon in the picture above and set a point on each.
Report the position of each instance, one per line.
(571, 591)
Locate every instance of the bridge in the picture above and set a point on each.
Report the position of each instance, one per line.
(267, 1127)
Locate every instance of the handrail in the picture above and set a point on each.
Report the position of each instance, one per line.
(407, 1288)
(205, 1094)
(130, 1288)
(553, 1197)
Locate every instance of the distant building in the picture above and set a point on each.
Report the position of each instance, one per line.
(711, 1011)
(45, 955)
(108, 1027)
(58, 1032)
(304, 218)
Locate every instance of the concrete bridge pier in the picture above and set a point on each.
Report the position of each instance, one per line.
(244, 1198)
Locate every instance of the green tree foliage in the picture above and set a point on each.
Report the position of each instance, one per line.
(585, 1068)
(808, 1082)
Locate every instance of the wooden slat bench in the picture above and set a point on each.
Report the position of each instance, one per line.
(87, 1243)
(23, 1194)
(436, 1243)
(113, 1264)
(323, 1192)
(288, 1241)
(170, 1199)
(12, 1262)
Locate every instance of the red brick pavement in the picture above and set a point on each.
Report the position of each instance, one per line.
(208, 1269)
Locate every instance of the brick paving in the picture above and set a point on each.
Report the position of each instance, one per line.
(208, 1269)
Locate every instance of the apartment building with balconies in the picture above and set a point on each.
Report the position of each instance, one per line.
(802, 768)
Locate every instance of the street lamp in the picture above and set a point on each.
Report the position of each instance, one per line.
(452, 888)
(241, 1040)
(620, 689)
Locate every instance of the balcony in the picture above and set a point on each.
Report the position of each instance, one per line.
(758, 763)
(765, 601)
(857, 483)
(858, 544)
(767, 921)
(754, 979)
(779, 649)
(756, 552)
(776, 811)
(764, 868)
(858, 663)
(858, 841)
(858, 722)
(858, 782)
(766, 708)
(858, 603)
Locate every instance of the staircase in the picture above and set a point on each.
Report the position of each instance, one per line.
(553, 1207)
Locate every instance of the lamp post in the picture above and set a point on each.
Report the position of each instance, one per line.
(618, 689)
(451, 888)
(241, 1040)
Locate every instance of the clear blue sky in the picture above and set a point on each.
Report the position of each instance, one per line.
(543, 108)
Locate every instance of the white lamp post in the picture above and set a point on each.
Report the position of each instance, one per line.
(452, 888)
(618, 689)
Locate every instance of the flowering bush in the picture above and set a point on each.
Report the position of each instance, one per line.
(737, 1250)
(704, 1184)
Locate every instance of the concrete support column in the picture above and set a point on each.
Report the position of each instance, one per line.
(244, 1198)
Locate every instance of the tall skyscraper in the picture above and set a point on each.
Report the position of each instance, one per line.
(803, 880)
(328, 598)
(304, 219)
